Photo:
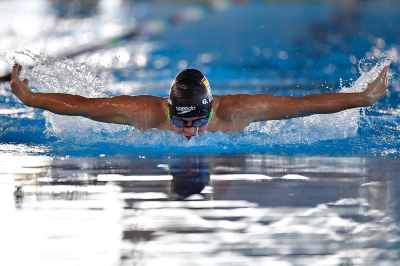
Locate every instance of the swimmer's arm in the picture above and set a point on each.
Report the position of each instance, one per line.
(110, 110)
(268, 107)
(130, 110)
(281, 107)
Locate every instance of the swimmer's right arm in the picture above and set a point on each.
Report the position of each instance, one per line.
(120, 109)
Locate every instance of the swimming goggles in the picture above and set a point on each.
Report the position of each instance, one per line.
(195, 123)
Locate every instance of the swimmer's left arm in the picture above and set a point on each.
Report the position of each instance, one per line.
(268, 107)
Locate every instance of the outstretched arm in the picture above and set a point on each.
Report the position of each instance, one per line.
(121, 109)
(268, 107)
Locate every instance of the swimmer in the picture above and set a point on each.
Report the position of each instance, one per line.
(191, 109)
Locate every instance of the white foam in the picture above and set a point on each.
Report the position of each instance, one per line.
(322, 126)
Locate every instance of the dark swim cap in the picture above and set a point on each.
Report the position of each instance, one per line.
(190, 95)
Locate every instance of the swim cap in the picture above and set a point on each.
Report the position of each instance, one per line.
(190, 95)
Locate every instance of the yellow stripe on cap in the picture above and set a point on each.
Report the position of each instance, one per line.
(205, 81)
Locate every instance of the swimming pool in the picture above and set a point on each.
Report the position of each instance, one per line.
(318, 190)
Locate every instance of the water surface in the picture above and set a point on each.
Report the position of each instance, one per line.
(319, 190)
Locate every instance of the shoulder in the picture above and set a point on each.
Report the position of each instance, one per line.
(145, 111)
(240, 100)
(241, 104)
(236, 111)
(127, 99)
(141, 103)
(228, 113)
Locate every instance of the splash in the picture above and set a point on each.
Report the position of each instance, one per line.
(323, 126)
(68, 76)
(369, 70)
(62, 76)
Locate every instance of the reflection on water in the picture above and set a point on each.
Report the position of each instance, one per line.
(214, 210)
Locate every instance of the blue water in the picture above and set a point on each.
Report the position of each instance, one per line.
(259, 55)
(319, 190)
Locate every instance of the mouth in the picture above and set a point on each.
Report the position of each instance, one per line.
(188, 137)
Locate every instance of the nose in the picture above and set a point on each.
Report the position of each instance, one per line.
(189, 124)
(190, 130)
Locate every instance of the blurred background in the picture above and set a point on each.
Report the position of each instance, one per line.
(269, 41)
(320, 190)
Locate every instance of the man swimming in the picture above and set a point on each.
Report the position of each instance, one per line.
(190, 107)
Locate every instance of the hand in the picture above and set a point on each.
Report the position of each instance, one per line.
(377, 88)
(20, 88)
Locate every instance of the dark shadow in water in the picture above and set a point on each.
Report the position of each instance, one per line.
(189, 176)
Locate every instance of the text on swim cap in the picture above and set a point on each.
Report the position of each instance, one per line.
(184, 110)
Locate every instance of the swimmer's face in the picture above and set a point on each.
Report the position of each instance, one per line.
(189, 131)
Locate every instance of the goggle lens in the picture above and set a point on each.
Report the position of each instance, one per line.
(195, 123)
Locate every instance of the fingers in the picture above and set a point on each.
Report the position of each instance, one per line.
(385, 76)
(16, 71)
(382, 74)
(382, 78)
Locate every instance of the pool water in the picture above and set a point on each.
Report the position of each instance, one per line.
(319, 190)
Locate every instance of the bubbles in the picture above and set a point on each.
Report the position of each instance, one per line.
(283, 55)
(352, 59)
(141, 59)
(182, 64)
(205, 58)
(123, 55)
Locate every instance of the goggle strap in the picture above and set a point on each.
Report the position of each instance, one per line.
(168, 114)
(211, 114)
